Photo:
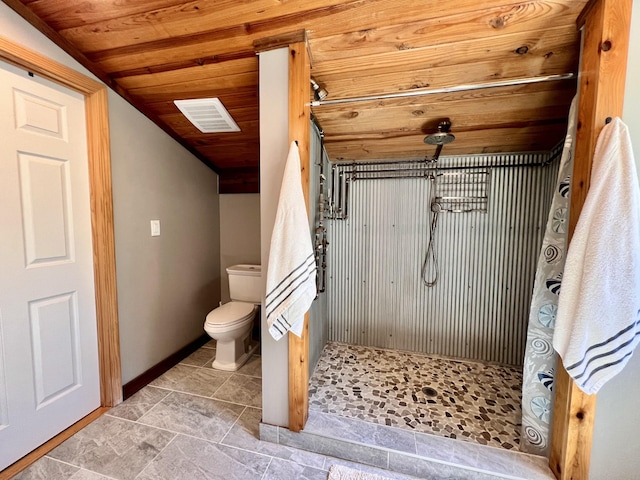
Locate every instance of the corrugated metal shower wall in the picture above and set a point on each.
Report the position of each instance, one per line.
(479, 308)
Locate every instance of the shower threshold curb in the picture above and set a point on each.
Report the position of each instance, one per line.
(416, 454)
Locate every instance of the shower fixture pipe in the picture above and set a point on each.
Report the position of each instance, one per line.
(457, 88)
(321, 243)
(361, 174)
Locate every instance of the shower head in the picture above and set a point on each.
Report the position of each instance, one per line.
(443, 136)
(319, 93)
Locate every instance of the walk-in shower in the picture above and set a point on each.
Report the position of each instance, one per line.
(446, 359)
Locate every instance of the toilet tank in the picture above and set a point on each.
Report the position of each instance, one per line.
(245, 283)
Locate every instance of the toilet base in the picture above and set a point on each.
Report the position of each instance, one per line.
(233, 354)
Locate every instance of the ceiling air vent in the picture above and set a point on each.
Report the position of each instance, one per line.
(208, 115)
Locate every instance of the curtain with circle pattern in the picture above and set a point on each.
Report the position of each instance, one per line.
(540, 359)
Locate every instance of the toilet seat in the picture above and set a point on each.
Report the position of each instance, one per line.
(230, 314)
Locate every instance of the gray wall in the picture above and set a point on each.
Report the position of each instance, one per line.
(616, 443)
(274, 146)
(166, 284)
(239, 233)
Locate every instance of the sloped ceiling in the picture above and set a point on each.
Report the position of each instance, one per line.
(155, 51)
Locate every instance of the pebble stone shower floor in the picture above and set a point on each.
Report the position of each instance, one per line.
(466, 400)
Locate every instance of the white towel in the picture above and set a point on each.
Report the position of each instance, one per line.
(598, 320)
(291, 274)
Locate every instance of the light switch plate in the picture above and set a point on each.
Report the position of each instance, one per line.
(155, 228)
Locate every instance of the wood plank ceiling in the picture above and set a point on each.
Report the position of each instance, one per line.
(155, 51)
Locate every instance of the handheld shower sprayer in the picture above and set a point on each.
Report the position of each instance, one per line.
(430, 269)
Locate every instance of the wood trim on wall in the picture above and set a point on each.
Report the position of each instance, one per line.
(606, 25)
(299, 130)
(149, 375)
(104, 263)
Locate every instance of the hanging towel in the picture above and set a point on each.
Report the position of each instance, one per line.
(291, 274)
(598, 320)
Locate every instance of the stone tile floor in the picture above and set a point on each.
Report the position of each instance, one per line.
(192, 423)
(465, 400)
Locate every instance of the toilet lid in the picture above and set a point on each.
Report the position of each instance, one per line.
(230, 313)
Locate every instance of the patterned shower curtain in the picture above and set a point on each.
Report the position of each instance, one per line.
(540, 359)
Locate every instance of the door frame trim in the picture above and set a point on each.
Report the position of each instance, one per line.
(101, 202)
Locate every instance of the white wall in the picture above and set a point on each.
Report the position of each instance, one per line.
(239, 233)
(274, 145)
(616, 442)
(165, 284)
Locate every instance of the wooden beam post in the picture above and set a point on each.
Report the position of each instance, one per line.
(606, 25)
(299, 126)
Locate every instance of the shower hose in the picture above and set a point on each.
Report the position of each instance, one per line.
(431, 249)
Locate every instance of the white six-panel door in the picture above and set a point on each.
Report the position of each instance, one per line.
(49, 375)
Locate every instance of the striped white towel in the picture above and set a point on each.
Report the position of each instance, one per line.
(598, 319)
(291, 274)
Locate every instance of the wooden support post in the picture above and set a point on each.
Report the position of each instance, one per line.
(606, 25)
(299, 126)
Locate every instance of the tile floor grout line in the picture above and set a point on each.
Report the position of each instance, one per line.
(266, 469)
(156, 456)
(97, 473)
(186, 434)
(246, 375)
(232, 446)
(232, 425)
(171, 392)
(221, 385)
(71, 465)
(184, 392)
(145, 424)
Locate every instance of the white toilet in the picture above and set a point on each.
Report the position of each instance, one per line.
(231, 324)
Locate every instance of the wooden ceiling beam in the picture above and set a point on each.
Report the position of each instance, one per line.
(63, 15)
(375, 114)
(249, 160)
(197, 86)
(231, 103)
(461, 133)
(461, 124)
(515, 139)
(532, 46)
(222, 19)
(557, 89)
(522, 18)
(189, 132)
(180, 66)
(189, 74)
(258, 16)
(355, 86)
(117, 44)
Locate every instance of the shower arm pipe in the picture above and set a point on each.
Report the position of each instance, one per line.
(436, 155)
(457, 88)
